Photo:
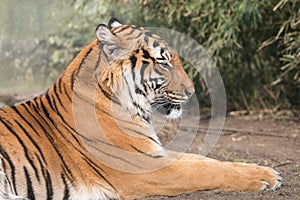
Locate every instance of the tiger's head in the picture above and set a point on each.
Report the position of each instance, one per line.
(143, 72)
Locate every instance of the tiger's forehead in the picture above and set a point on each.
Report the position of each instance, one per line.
(133, 30)
(139, 34)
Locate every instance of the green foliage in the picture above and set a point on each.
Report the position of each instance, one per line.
(255, 44)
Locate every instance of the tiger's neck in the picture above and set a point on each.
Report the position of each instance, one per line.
(89, 110)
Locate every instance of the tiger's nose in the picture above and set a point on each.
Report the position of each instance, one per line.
(189, 91)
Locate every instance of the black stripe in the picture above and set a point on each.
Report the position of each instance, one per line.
(142, 72)
(155, 43)
(50, 137)
(83, 60)
(111, 50)
(30, 192)
(58, 153)
(161, 59)
(120, 29)
(146, 154)
(54, 107)
(106, 94)
(146, 55)
(34, 105)
(35, 119)
(8, 126)
(3, 110)
(139, 91)
(113, 156)
(156, 70)
(55, 94)
(105, 55)
(7, 184)
(131, 32)
(12, 168)
(48, 185)
(66, 92)
(36, 145)
(24, 119)
(146, 39)
(66, 190)
(92, 165)
(146, 86)
(142, 134)
(145, 117)
(62, 88)
(98, 60)
(133, 60)
(30, 125)
(52, 103)
(3, 165)
(140, 33)
(59, 81)
(72, 79)
(118, 119)
(48, 182)
(40, 164)
(134, 103)
(148, 33)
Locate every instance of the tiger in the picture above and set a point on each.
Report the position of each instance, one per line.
(49, 147)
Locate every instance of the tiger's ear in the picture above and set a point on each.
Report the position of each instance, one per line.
(111, 44)
(104, 34)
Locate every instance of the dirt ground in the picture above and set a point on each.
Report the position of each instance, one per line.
(266, 140)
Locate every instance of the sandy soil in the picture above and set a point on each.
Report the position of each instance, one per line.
(271, 141)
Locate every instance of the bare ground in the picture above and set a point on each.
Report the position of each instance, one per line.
(271, 141)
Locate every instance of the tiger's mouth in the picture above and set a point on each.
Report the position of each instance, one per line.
(171, 110)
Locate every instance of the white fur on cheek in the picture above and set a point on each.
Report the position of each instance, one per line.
(175, 114)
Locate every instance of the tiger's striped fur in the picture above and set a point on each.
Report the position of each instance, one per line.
(43, 142)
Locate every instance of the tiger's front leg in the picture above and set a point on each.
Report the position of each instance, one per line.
(186, 175)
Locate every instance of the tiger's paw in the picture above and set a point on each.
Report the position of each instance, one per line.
(251, 177)
(275, 185)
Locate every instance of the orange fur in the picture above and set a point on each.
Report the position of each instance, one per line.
(76, 142)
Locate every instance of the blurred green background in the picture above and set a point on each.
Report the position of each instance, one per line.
(254, 43)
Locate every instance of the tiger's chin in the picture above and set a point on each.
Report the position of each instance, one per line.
(175, 114)
(171, 111)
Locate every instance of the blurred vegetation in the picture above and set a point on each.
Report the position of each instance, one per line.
(254, 43)
(24, 56)
(79, 26)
